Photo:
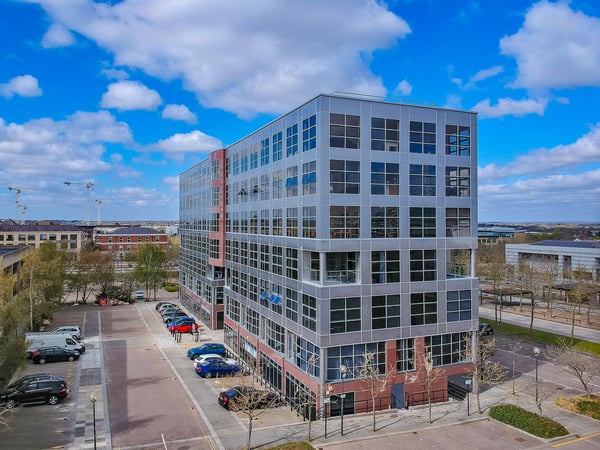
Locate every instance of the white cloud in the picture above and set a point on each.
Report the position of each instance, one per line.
(510, 107)
(23, 85)
(172, 182)
(485, 74)
(242, 56)
(179, 112)
(130, 95)
(556, 47)
(571, 157)
(403, 88)
(115, 74)
(58, 36)
(195, 141)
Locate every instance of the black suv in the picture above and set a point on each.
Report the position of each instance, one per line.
(32, 377)
(43, 391)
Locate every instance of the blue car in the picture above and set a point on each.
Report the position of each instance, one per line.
(181, 321)
(218, 349)
(213, 368)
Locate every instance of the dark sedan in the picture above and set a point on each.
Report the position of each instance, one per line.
(210, 347)
(248, 397)
(213, 368)
(52, 354)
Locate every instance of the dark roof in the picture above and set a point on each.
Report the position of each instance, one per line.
(571, 244)
(138, 230)
(11, 225)
(8, 249)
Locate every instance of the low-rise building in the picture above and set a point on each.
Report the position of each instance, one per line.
(125, 239)
(70, 237)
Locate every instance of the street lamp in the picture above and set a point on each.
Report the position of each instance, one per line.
(343, 372)
(93, 399)
(536, 353)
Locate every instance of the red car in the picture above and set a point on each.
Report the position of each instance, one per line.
(184, 325)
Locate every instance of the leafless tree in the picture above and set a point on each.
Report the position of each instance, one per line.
(427, 375)
(541, 391)
(582, 366)
(485, 372)
(534, 278)
(515, 348)
(375, 382)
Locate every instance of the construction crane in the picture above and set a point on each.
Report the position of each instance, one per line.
(23, 211)
(17, 192)
(99, 203)
(89, 186)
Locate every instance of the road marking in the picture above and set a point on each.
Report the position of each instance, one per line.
(572, 441)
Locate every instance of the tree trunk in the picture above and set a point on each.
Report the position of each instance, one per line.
(249, 433)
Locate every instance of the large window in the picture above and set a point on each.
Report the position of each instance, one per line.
(353, 358)
(422, 180)
(277, 184)
(264, 221)
(264, 152)
(309, 221)
(309, 312)
(344, 131)
(385, 311)
(385, 178)
(277, 146)
(458, 181)
(458, 140)
(458, 305)
(291, 304)
(385, 134)
(291, 226)
(291, 140)
(422, 222)
(458, 222)
(385, 266)
(309, 133)
(344, 315)
(277, 222)
(277, 260)
(252, 321)
(309, 178)
(274, 336)
(344, 177)
(405, 355)
(385, 222)
(265, 258)
(291, 263)
(422, 137)
(291, 181)
(264, 186)
(304, 354)
(423, 308)
(344, 222)
(253, 157)
(422, 265)
(447, 348)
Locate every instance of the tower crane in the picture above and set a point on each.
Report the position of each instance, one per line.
(89, 186)
(17, 192)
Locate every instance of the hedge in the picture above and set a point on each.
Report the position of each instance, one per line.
(528, 421)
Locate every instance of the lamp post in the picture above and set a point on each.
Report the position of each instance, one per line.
(536, 353)
(93, 399)
(343, 372)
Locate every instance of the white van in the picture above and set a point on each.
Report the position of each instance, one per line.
(45, 339)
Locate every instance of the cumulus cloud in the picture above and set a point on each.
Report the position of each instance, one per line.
(571, 157)
(510, 107)
(172, 182)
(130, 95)
(556, 47)
(403, 88)
(23, 85)
(57, 36)
(179, 112)
(195, 141)
(325, 48)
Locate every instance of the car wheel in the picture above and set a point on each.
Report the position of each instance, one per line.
(53, 400)
(11, 404)
(42, 361)
(71, 358)
(208, 375)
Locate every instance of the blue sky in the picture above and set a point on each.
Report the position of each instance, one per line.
(122, 96)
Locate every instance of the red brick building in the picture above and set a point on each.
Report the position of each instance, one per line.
(124, 240)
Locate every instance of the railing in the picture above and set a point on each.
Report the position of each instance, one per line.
(340, 276)
(421, 398)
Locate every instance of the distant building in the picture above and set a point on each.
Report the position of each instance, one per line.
(491, 235)
(11, 258)
(69, 237)
(568, 256)
(125, 239)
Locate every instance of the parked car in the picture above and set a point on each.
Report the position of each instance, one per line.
(213, 357)
(184, 325)
(168, 309)
(161, 304)
(486, 328)
(32, 377)
(139, 295)
(171, 317)
(73, 329)
(52, 354)
(210, 347)
(211, 368)
(248, 396)
(40, 391)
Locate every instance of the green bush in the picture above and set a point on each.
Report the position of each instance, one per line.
(589, 408)
(171, 287)
(527, 421)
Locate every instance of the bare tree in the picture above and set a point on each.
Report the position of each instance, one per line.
(376, 383)
(427, 375)
(485, 372)
(515, 347)
(541, 391)
(533, 278)
(576, 363)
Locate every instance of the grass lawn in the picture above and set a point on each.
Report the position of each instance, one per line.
(581, 405)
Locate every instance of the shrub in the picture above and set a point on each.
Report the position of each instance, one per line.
(589, 408)
(528, 421)
(171, 287)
